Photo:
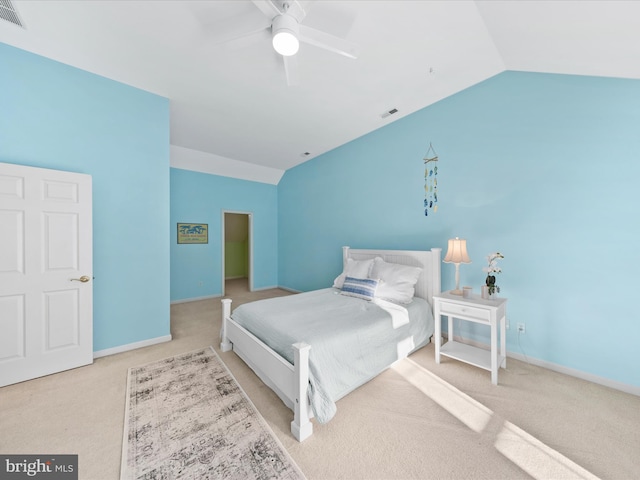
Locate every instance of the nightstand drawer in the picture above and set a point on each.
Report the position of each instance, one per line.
(464, 311)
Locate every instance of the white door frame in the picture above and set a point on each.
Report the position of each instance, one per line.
(250, 221)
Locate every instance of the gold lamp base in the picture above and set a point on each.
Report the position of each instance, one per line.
(455, 292)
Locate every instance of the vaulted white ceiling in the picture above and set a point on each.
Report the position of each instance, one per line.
(231, 109)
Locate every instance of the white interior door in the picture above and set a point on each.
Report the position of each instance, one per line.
(46, 262)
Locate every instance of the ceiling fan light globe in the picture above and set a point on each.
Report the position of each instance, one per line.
(285, 43)
(285, 30)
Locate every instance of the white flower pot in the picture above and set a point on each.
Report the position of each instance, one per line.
(485, 293)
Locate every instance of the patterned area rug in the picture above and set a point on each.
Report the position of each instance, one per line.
(187, 417)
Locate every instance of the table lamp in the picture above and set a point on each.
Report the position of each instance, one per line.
(457, 254)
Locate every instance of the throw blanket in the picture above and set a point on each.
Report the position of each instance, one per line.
(352, 340)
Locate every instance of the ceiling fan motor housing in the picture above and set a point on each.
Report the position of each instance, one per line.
(285, 30)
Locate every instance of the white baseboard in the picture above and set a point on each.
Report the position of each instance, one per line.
(572, 372)
(208, 297)
(290, 290)
(623, 387)
(264, 288)
(195, 299)
(131, 346)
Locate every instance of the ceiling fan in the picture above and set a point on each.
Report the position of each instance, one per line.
(284, 19)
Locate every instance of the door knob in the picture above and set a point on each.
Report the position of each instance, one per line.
(83, 279)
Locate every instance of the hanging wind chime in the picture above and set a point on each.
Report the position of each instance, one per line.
(430, 181)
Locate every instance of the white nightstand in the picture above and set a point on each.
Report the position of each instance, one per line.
(486, 312)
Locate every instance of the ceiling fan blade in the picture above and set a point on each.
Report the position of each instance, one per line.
(291, 70)
(298, 9)
(267, 7)
(305, 5)
(236, 27)
(328, 42)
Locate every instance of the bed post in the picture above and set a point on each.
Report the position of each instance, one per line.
(301, 427)
(436, 279)
(345, 256)
(225, 344)
(436, 282)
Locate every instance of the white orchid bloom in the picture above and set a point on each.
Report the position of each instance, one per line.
(492, 263)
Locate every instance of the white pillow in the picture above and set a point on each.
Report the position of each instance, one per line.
(355, 269)
(396, 282)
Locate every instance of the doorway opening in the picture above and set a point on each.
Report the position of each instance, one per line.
(237, 248)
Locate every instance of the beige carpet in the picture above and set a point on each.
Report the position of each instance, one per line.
(388, 429)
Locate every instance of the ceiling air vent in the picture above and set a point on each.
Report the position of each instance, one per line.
(389, 112)
(9, 13)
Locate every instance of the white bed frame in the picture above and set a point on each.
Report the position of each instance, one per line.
(290, 382)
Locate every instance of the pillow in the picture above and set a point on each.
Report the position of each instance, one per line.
(354, 269)
(396, 282)
(364, 288)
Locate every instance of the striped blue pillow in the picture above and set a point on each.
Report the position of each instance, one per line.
(364, 288)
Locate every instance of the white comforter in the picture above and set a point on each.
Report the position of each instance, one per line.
(352, 340)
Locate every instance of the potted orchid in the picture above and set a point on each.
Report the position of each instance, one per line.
(492, 269)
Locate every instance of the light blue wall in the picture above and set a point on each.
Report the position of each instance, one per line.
(55, 116)
(201, 198)
(543, 168)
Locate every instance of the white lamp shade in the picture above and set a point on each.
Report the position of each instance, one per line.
(285, 35)
(457, 251)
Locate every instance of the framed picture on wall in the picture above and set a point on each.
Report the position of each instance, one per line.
(193, 233)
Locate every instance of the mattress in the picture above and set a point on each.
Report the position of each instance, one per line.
(352, 340)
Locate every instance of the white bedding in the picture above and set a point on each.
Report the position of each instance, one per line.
(352, 340)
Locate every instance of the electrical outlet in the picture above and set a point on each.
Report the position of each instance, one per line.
(506, 325)
(521, 328)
